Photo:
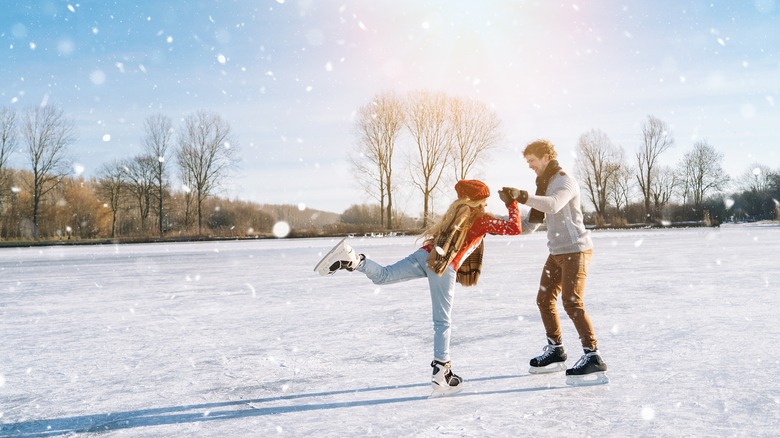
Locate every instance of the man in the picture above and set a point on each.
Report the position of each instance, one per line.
(557, 203)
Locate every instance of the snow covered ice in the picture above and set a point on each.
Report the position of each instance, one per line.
(244, 339)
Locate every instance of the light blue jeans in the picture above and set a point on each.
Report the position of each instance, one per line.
(415, 265)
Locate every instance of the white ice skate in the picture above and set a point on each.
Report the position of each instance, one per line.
(444, 382)
(342, 256)
(555, 367)
(597, 378)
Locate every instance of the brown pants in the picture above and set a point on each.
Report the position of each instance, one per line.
(566, 274)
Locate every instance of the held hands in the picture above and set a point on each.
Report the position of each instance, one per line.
(509, 194)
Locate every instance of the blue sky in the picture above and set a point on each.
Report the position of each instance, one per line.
(289, 76)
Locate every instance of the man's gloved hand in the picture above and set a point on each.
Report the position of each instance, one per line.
(509, 194)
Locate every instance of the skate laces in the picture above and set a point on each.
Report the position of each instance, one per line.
(549, 350)
(584, 359)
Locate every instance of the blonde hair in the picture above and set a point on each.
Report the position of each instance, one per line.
(449, 233)
(454, 216)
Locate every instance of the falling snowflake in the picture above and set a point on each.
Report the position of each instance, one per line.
(281, 229)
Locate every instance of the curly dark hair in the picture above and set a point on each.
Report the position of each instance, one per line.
(541, 147)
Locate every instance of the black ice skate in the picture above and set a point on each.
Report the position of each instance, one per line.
(444, 382)
(589, 370)
(342, 256)
(550, 361)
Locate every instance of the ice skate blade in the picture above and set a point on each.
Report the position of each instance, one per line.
(439, 391)
(323, 267)
(598, 378)
(552, 368)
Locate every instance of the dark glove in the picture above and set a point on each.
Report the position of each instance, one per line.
(505, 197)
(509, 194)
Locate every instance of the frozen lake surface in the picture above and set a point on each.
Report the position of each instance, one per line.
(244, 339)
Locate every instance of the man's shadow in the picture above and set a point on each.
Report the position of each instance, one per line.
(226, 410)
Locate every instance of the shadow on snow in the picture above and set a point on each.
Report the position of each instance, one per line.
(214, 411)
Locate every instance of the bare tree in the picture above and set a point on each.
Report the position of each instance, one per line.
(139, 175)
(110, 187)
(656, 139)
(621, 186)
(189, 199)
(476, 129)
(599, 160)
(378, 126)
(664, 183)
(703, 172)
(757, 178)
(8, 140)
(47, 133)
(429, 125)
(157, 141)
(206, 154)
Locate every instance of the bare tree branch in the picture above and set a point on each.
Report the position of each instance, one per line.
(656, 139)
(703, 172)
(207, 152)
(157, 142)
(431, 130)
(378, 126)
(8, 141)
(47, 134)
(476, 129)
(111, 187)
(598, 161)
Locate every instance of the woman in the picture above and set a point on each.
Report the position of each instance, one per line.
(452, 252)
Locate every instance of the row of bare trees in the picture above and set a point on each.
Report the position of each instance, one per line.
(45, 134)
(443, 138)
(445, 132)
(447, 136)
(204, 150)
(610, 180)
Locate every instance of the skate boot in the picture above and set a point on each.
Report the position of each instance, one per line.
(589, 370)
(550, 361)
(342, 256)
(444, 382)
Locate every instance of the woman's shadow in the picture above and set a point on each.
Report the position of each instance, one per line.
(227, 410)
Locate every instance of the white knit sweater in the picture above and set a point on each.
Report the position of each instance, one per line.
(566, 231)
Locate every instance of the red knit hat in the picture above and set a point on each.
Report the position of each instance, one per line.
(472, 188)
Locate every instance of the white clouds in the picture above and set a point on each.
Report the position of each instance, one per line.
(764, 6)
(315, 37)
(97, 77)
(19, 30)
(65, 47)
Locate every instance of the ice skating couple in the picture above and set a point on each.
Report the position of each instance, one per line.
(452, 253)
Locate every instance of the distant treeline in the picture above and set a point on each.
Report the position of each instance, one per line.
(134, 198)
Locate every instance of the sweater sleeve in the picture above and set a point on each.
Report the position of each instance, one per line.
(487, 224)
(559, 193)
